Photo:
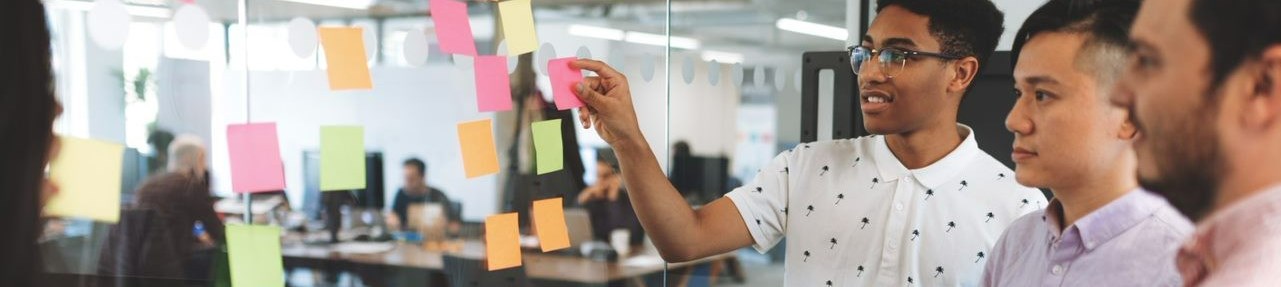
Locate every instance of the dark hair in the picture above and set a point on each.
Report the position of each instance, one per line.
(27, 110)
(418, 163)
(1237, 31)
(963, 28)
(1105, 22)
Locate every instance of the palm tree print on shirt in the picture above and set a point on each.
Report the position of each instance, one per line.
(833, 241)
(811, 210)
(829, 283)
(807, 256)
(825, 169)
(865, 223)
(874, 181)
(909, 280)
(951, 225)
(963, 185)
(981, 255)
(915, 233)
(857, 161)
(938, 271)
(860, 271)
(1000, 176)
(839, 197)
(1025, 203)
(760, 190)
(990, 217)
(928, 194)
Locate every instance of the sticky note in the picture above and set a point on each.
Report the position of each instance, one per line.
(254, 152)
(342, 158)
(480, 155)
(548, 146)
(549, 221)
(253, 253)
(517, 19)
(87, 173)
(345, 56)
(564, 79)
(452, 28)
(493, 89)
(502, 241)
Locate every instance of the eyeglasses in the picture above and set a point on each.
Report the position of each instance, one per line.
(892, 59)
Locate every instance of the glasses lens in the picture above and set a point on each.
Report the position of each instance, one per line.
(892, 61)
(859, 56)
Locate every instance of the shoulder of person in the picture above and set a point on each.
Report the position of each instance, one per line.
(829, 148)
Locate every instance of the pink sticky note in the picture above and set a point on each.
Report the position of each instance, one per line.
(452, 28)
(564, 80)
(493, 89)
(255, 158)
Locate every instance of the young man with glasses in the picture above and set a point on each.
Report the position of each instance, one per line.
(1204, 90)
(1100, 229)
(916, 204)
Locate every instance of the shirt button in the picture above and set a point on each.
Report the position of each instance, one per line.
(898, 205)
(1057, 270)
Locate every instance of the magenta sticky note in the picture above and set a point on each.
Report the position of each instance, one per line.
(564, 81)
(254, 152)
(493, 89)
(452, 29)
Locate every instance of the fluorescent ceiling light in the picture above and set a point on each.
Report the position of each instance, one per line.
(812, 29)
(135, 10)
(660, 40)
(722, 57)
(596, 32)
(349, 4)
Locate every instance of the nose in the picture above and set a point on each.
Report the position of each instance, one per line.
(871, 72)
(1017, 121)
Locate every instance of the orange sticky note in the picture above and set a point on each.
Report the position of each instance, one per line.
(502, 241)
(549, 221)
(345, 55)
(480, 154)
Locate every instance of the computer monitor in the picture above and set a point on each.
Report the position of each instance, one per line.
(372, 196)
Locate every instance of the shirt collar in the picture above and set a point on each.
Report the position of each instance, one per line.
(1105, 223)
(1231, 227)
(934, 175)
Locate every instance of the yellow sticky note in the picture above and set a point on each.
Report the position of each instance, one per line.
(480, 154)
(345, 56)
(87, 173)
(502, 241)
(549, 221)
(342, 158)
(517, 18)
(253, 253)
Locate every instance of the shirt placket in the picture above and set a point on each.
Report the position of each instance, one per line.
(894, 228)
(1062, 252)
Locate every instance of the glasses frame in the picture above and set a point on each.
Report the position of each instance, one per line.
(885, 66)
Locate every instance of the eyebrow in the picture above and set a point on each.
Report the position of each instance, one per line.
(1039, 79)
(891, 41)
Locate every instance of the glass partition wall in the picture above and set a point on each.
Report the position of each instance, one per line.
(368, 138)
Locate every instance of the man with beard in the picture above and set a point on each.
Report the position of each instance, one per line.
(1204, 89)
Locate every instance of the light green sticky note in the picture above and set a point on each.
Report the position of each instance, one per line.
(342, 158)
(517, 18)
(87, 173)
(548, 148)
(253, 252)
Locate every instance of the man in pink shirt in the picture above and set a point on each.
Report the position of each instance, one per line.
(1204, 88)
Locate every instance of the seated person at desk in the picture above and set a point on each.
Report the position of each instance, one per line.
(183, 215)
(607, 203)
(417, 191)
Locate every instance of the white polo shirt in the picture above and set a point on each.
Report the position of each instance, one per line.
(853, 215)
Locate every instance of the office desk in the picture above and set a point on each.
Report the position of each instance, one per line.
(540, 267)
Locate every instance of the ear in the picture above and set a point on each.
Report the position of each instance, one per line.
(966, 70)
(1127, 131)
(1262, 109)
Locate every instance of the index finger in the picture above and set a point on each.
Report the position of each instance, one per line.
(601, 69)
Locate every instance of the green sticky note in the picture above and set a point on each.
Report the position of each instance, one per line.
(548, 148)
(342, 158)
(253, 252)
